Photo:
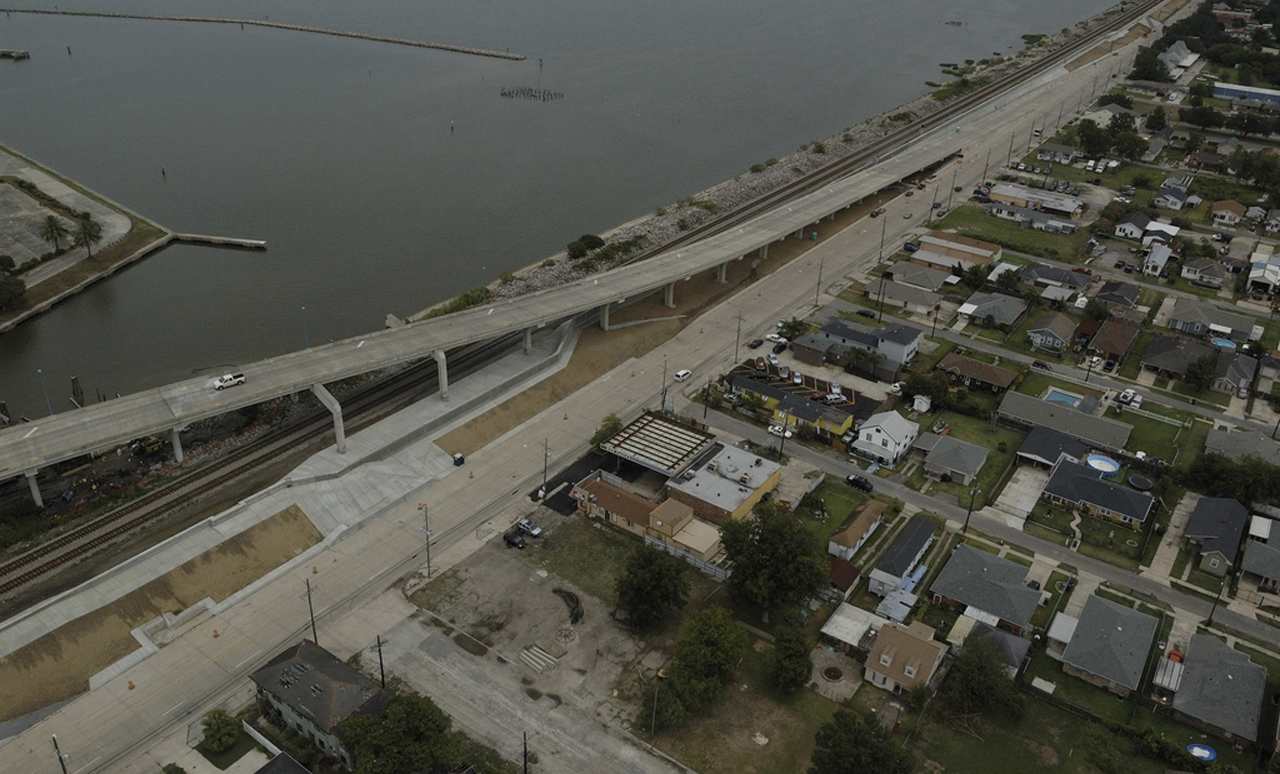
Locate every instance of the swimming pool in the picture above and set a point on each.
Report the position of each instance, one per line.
(1058, 396)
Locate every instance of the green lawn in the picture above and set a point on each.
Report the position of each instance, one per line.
(1109, 542)
(839, 499)
(1031, 528)
(973, 221)
(1133, 361)
(1189, 393)
(991, 436)
(1187, 286)
(1152, 436)
(1087, 696)
(1042, 617)
(1054, 518)
(1036, 383)
(225, 759)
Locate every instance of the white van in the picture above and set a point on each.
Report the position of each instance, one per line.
(683, 375)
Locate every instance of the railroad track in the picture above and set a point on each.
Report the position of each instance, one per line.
(68, 547)
(359, 406)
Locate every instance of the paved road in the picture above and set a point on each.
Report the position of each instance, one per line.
(107, 726)
(834, 464)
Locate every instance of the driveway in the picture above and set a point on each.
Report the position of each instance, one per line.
(1166, 311)
(1162, 563)
(1022, 492)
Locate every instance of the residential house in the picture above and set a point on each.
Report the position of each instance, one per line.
(1084, 489)
(1103, 114)
(1170, 198)
(282, 763)
(1051, 331)
(986, 587)
(884, 438)
(1172, 355)
(1272, 221)
(1221, 690)
(1058, 154)
(673, 526)
(1243, 443)
(1261, 563)
(1119, 293)
(1133, 225)
(1157, 257)
(1178, 58)
(973, 251)
(960, 461)
(1159, 231)
(1205, 318)
(1045, 447)
(1033, 219)
(1228, 212)
(922, 277)
(1205, 161)
(727, 486)
(853, 532)
(906, 297)
(1011, 648)
(1264, 277)
(1205, 271)
(310, 691)
(897, 343)
(903, 657)
(1038, 199)
(1110, 645)
(1097, 432)
(1255, 213)
(851, 630)
(1216, 528)
(604, 496)
(842, 576)
(1234, 372)
(903, 556)
(993, 309)
(789, 404)
(976, 374)
(1055, 276)
(1114, 339)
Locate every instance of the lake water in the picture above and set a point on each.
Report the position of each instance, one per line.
(339, 152)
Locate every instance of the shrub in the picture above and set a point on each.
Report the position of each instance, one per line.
(682, 224)
(591, 241)
(547, 264)
(576, 250)
(172, 768)
(757, 168)
(819, 148)
(770, 162)
(660, 211)
(506, 277)
(220, 731)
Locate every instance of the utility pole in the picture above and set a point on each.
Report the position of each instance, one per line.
(952, 192)
(737, 339)
(426, 525)
(1216, 599)
(933, 206)
(663, 407)
(817, 288)
(306, 338)
(706, 399)
(973, 495)
(782, 442)
(62, 759)
(546, 455)
(884, 224)
(1088, 368)
(985, 164)
(381, 670)
(1058, 125)
(1009, 158)
(880, 302)
(312, 611)
(525, 734)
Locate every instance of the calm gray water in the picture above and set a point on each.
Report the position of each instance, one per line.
(339, 153)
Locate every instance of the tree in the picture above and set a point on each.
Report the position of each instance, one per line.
(609, 427)
(1195, 141)
(1128, 145)
(1241, 163)
(591, 241)
(1097, 309)
(87, 234)
(1123, 100)
(1121, 123)
(1204, 117)
(978, 684)
(53, 231)
(7, 264)
(1148, 67)
(975, 276)
(775, 560)
(792, 666)
(1008, 280)
(864, 360)
(1201, 372)
(855, 743)
(707, 651)
(652, 585)
(12, 289)
(793, 329)
(1032, 299)
(411, 735)
(1093, 139)
(1156, 119)
(220, 731)
(1200, 89)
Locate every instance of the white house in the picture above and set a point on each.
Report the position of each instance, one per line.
(1133, 225)
(1156, 259)
(885, 437)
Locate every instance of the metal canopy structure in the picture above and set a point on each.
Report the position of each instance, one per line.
(652, 441)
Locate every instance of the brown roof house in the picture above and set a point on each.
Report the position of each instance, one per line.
(977, 374)
(1228, 212)
(308, 690)
(855, 529)
(903, 657)
(602, 496)
(1114, 339)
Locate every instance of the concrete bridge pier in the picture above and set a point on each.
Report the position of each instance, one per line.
(604, 316)
(35, 488)
(442, 373)
(722, 273)
(176, 435)
(335, 408)
(764, 252)
(669, 296)
(799, 233)
(528, 340)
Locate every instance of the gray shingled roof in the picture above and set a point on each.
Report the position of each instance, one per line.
(954, 454)
(1261, 559)
(313, 682)
(1111, 641)
(1119, 292)
(897, 560)
(1012, 649)
(1037, 272)
(989, 583)
(900, 334)
(1207, 313)
(1219, 524)
(283, 764)
(1047, 444)
(1221, 687)
(1080, 484)
(1005, 310)
(1241, 443)
(1099, 431)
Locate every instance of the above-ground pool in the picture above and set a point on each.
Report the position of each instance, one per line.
(1223, 343)
(1055, 395)
(1103, 463)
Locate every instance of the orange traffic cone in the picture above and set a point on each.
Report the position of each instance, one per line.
(131, 685)
(215, 634)
(566, 416)
(472, 474)
(314, 569)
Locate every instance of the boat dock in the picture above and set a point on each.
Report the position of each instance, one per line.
(220, 241)
(13, 53)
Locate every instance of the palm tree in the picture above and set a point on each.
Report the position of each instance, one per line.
(53, 231)
(88, 233)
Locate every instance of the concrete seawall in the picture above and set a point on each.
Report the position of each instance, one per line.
(280, 26)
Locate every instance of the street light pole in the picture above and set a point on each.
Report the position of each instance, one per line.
(706, 399)
(663, 407)
(951, 193)
(817, 288)
(62, 759)
(546, 455)
(973, 495)
(737, 339)
(1216, 599)
(884, 224)
(985, 164)
(48, 404)
(306, 338)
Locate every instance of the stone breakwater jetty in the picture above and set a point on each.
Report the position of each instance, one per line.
(280, 26)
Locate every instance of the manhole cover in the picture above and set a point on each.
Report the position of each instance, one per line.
(833, 674)
(566, 634)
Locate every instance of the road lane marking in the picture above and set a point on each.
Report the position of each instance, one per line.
(174, 707)
(31, 432)
(87, 765)
(242, 663)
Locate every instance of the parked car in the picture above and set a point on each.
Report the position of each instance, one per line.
(228, 380)
(779, 348)
(1136, 402)
(895, 388)
(775, 338)
(1109, 366)
(1094, 361)
(1119, 264)
(911, 247)
(514, 539)
(1041, 365)
(833, 398)
(773, 360)
(529, 528)
(858, 482)
(683, 375)
(906, 216)
(911, 193)
(755, 344)
(959, 188)
(779, 431)
(784, 372)
(1126, 396)
(867, 313)
(797, 377)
